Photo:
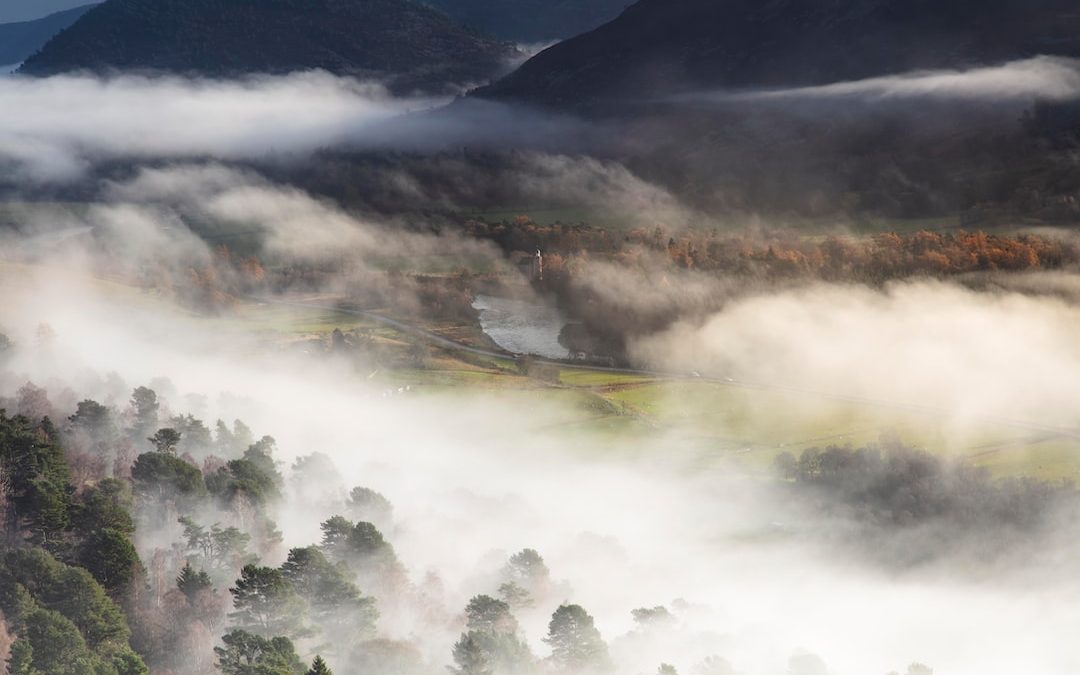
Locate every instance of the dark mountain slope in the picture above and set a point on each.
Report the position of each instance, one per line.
(415, 45)
(12, 11)
(661, 47)
(20, 40)
(533, 20)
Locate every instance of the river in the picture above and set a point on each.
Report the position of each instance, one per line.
(522, 327)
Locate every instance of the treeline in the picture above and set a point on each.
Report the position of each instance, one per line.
(914, 506)
(875, 258)
(153, 556)
(667, 277)
(74, 497)
(219, 282)
(134, 548)
(62, 550)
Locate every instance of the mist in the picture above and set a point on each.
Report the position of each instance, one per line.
(275, 117)
(910, 344)
(302, 254)
(484, 476)
(1041, 77)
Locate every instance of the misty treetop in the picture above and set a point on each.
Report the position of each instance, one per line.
(492, 642)
(247, 654)
(319, 667)
(172, 567)
(576, 644)
(913, 507)
(335, 601)
(72, 572)
(266, 603)
(63, 620)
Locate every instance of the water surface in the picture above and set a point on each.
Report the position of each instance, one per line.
(522, 327)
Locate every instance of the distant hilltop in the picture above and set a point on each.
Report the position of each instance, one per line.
(21, 39)
(21, 11)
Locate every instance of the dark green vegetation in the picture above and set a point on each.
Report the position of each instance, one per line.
(413, 46)
(533, 20)
(63, 550)
(22, 39)
(915, 498)
(76, 599)
(73, 590)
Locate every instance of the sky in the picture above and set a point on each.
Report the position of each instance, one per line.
(28, 10)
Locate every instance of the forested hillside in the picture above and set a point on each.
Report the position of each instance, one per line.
(410, 44)
(13, 11)
(533, 20)
(667, 46)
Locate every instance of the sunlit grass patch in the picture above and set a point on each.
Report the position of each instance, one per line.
(588, 378)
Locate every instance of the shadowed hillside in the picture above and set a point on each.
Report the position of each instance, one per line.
(533, 20)
(415, 46)
(661, 47)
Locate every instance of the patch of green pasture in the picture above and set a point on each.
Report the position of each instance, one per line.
(590, 378)
(442, 378)
(271, 317)
(758, 424)
(1051, 459)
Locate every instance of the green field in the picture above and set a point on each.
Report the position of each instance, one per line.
(725, 421)
(747, 425)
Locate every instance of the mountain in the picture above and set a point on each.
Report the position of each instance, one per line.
(662, 47)
(661, 76)
(12, 11)
(533, 20)
(412, 45)
(20, 40)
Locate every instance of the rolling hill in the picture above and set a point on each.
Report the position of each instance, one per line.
(21, 39)
(662, 47)
(409, 44)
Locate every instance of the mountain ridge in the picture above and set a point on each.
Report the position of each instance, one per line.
(409, 45)
(22, 11)
(533, 20)
(20, 39)
(664, 47)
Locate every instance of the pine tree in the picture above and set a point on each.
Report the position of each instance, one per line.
(319, 667)
(575, 642)
(469, 657)
(165, 440)
(266, 603)
(247, 654)
(191, 583)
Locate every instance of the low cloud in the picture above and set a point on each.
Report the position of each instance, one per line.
(970, 357)
(1042, 77)
(44, 138)
(487, 474)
